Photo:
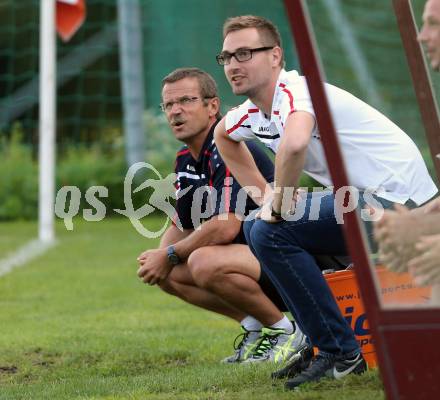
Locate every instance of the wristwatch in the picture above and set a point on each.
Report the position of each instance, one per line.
(275, 214)
(173, 258)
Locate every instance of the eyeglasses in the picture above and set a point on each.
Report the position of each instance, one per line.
(224, 58)
(184, 101)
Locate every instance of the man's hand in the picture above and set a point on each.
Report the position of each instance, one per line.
(273, 203)
(265, 213)
(432, 206)
(391, 223)
(153, 266)
(426, 266)
(396, 233)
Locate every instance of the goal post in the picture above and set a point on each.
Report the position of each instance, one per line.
(47, 121)
(64, 16)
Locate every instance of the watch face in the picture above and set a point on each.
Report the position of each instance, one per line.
(172, 256)
(173, 259)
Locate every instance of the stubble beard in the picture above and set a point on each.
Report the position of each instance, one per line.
(247, 91)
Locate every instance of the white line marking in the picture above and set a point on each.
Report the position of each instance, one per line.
(27, 252)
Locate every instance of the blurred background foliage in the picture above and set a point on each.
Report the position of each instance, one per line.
(358, 41)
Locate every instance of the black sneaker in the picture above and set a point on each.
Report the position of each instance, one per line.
(297, 363)
(322, 367)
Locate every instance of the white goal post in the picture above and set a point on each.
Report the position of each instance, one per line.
(47, 121)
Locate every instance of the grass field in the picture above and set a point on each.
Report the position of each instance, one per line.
(76, 323)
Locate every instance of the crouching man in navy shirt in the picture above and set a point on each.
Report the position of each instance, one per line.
(203, 257)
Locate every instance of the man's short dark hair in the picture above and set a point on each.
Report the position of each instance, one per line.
(269, 34)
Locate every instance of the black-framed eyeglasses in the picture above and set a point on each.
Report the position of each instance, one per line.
(184, 101)
(224, 58)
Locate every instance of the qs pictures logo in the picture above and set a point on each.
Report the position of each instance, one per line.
(68, 200)
(163, 190)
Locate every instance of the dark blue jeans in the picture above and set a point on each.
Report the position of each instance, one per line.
(285, 251)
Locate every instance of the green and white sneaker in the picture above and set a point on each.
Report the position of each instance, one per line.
(248, 341)
(277, 346)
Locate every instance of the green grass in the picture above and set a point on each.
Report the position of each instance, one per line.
(15, 234)
(76, 323)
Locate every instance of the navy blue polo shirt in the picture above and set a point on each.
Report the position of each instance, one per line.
(206, 188)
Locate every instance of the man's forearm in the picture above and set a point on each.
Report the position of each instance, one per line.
(173, 235)
(290, 158)
(242, 165)
(288, 169)
(213, 232)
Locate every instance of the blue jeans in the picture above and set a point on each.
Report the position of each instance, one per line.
(285, 251)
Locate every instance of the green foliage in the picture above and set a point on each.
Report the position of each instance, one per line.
(85, 167)
(161, 144)
(101, 164)
(80, 325)
(80, 166)
(18, 188)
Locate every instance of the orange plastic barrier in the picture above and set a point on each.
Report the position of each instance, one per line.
(397, 290)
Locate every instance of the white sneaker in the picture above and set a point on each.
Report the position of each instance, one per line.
(245, 348)
(275, 345)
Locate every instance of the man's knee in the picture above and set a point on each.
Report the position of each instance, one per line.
(206, 269)
(174, 282)
(262, 234)
(167, 286)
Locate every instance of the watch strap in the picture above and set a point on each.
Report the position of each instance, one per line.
(173, 258)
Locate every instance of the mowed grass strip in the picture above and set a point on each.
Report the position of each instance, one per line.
(76, 323)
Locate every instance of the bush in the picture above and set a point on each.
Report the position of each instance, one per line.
(85, 167)
(101, 164)
(162, 146)
(19, 179)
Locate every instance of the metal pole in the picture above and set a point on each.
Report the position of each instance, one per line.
(47, 121)
(132, 79)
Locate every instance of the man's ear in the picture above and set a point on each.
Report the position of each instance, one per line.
(277, 55)
(214, 106)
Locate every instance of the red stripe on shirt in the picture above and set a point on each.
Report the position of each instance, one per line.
(180, 153)
(289, 93)
(227, 191)
(253, 110)
(237, 125)
(210, 174)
